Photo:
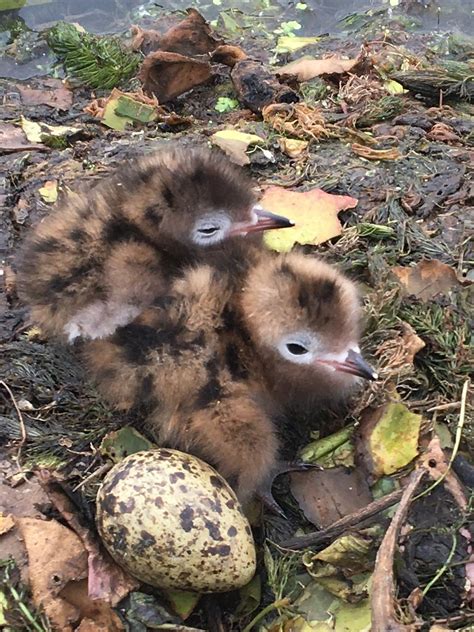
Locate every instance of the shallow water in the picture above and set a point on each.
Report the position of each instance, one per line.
(115, 16)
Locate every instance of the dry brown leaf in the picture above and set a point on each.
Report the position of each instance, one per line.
(167, 75)
(228, 55)
(305, 69)
(107, 581)
(314, 213)
(376, 154)
(54, 93)
(396, 355)
(443, 132)
(52, 567)
(427, 279)
(328, 495)
(293, 148)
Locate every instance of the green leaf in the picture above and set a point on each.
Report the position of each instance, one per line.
(120, 443)
(182, 602)
(226, 104)
(250, 597)
(393, 441)
(135, 110)
(317, 450)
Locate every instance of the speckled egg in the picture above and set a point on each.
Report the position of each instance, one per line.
(173, 522)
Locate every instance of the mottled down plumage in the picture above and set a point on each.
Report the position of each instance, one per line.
(211, 366)
(105, 253)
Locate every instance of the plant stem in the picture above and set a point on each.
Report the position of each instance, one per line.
(281, 603)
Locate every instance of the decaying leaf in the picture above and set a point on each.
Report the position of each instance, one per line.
(293, 148)
(192, 36)
(235, 144)
(396, 355)
(52, 567)
(328, 495)
(376, 154)
(388, 438)
(167, 75)
(13, 139)
(182, 602)
(308, 68)
(314, 213)
(427, 279)
(53, 93)
(38, 132)
(49, 191)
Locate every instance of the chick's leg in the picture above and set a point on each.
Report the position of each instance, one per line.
(236, 435)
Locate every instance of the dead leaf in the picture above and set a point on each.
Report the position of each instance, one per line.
(293, 148)
(257, 87)
(443, 132)
(192, 36)
(13, 139)
(228, 55)
(397, 354)
(55, 94)
(308, 68)
(290, 44)
(167, 75)
(376, 154)
(49, 191)
(235, 144)
(6, 523)
(96, 615)
(427, 279)
(328, 495)
(52, 567)
(107, 581)
(37, 132)
(388, 438)
(314, 213)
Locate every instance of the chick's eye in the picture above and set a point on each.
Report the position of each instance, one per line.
(208, 230)
(296, 349)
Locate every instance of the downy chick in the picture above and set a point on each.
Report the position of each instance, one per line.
(211, 368)
(102, 257)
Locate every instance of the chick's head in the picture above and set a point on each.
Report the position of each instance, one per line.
(304, 318)
(195, 199)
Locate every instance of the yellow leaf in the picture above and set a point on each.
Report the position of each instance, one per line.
(235, 144)
(314, 213)
(307, 68)
(34, 132)
(292, 147)
(49, 191)
(394, 87)
(287, 44)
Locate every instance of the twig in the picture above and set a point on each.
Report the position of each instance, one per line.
(98, 472)
(313, 539)
(281, 603)
(23, 437)
(383, 583)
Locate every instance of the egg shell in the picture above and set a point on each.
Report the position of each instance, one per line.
(173, 522)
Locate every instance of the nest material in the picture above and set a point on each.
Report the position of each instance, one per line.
(299, 120)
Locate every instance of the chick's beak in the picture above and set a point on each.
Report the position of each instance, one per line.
(354, 364)
(265, 221)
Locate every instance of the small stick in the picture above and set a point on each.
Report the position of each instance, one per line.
(383, 582)
(313, 539)
(24, 436)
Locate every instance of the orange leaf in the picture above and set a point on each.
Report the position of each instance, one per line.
(314, 213)
(427, 279)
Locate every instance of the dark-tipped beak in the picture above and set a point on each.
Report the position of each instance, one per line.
(353, 364)
(356, 365)
(265, 221)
